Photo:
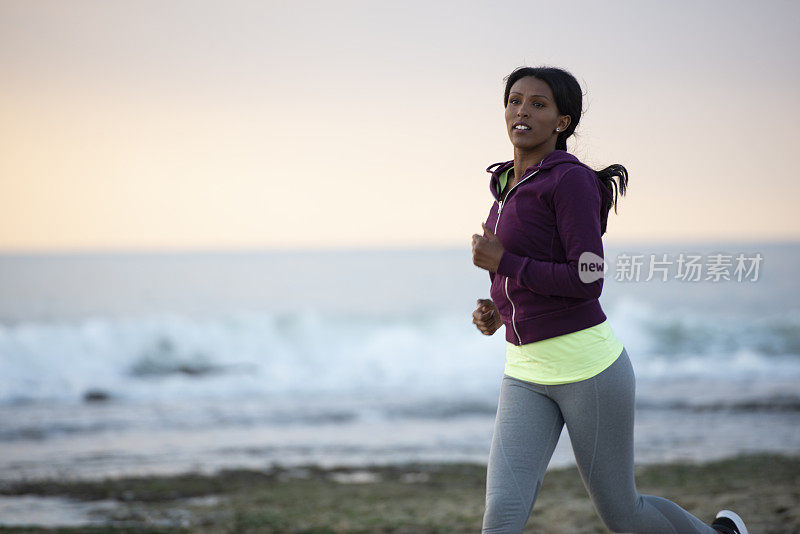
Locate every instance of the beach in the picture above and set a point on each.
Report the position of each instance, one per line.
(357, 402)
(408, 498)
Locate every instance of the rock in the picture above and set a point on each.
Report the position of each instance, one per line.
(95, 395)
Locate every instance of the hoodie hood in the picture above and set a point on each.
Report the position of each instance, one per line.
(553, 159)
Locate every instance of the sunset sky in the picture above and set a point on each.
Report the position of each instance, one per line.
(178, 125)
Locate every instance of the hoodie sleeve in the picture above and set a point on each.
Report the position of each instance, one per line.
(577, 202)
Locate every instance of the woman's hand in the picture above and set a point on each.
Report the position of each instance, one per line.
(487, 251)
(486, 317)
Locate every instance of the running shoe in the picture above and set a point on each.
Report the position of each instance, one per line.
(728, 522)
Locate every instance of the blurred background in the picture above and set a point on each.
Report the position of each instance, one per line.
(238, 234)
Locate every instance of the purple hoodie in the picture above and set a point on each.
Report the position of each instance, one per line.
(545, 223)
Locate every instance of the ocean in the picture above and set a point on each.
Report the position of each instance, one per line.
(134, 363)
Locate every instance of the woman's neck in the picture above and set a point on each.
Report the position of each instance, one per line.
(523, 160)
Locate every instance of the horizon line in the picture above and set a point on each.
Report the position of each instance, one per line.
(133, 251)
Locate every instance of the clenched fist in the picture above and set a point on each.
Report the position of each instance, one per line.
(486, 317)
(487, 251)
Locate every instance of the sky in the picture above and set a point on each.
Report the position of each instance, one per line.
(226, 125)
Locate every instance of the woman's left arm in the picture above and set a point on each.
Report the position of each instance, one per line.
(577, 204)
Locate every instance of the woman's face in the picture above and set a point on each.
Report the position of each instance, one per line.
(531, 114)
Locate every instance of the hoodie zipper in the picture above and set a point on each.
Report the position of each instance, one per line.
(500, 205)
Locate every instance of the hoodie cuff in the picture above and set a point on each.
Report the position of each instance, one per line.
(510, 265)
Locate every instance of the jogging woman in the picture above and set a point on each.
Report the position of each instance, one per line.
(542, 247)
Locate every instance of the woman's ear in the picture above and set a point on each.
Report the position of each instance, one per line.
(563, 122)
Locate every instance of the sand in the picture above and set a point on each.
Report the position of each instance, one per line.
(418, 499)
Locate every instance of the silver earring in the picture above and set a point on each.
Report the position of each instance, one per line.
(558, 129)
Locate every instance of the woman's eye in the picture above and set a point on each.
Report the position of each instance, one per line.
(538, 104)
(514, 101)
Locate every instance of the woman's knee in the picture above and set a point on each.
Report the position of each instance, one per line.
(506, 511)
(503, 515)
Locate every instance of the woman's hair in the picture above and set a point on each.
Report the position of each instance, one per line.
(569, 101)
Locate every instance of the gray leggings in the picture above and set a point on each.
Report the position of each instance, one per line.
(599, 417)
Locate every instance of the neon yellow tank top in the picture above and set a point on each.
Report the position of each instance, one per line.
(564, 359)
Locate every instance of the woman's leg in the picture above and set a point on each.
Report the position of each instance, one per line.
(526, 431)
(599, 417)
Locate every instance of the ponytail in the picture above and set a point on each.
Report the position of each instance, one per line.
(606, 177)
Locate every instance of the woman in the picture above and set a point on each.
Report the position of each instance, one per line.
(542, 247)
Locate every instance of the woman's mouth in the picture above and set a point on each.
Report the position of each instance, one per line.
(520, 127)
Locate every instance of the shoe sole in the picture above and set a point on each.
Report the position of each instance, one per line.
(733, 516)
